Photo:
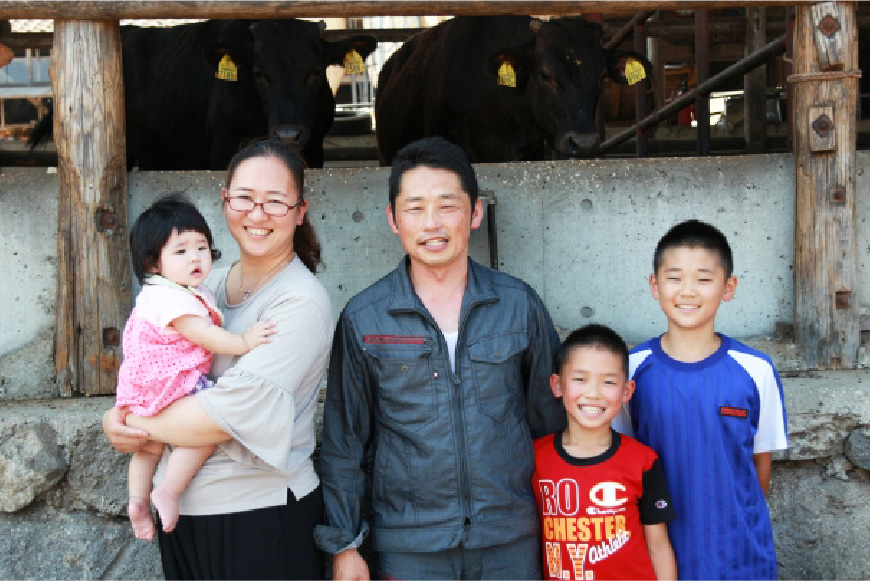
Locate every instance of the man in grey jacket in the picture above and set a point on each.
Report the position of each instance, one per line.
(441, 370)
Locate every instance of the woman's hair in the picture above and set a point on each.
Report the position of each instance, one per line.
(153, 228)
(305, 242)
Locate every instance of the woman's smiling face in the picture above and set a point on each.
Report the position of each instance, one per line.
(261, 236)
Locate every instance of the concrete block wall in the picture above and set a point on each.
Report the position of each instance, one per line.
(581, 232)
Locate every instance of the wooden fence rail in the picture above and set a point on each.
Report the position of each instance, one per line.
(117, 9)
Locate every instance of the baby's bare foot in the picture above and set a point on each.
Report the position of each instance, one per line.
(139, 512)
(167, 507)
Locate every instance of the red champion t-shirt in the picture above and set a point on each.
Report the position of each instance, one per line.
(593, 509)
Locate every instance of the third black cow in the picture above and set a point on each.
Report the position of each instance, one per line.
(505, 88)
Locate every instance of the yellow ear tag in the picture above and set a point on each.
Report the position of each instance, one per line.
(506, 75)
(353, 63)
(634, 71)
(227, 70)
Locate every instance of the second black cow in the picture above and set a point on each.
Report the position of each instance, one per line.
(196, 92)
(505, 88)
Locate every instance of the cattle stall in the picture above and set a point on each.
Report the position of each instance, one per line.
(92, 193)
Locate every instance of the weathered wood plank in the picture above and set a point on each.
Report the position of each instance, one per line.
(828, 44)
(826, 258)
(755, 84)
(117, 9)
(93, 296)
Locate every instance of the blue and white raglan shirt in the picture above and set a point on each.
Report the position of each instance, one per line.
(705, 420)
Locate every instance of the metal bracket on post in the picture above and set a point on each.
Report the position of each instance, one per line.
(838, 196)
(107, 220)
(823, 137)
(111, 337)
(487, 198)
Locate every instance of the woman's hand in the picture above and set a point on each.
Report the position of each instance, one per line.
(123, 438)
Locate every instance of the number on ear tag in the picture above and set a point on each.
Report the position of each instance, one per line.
(353, 63)
(227, 70)
(634, 71)
(506, 75)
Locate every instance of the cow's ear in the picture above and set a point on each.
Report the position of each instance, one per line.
(337, 52)
(627, 67)
(510, 67)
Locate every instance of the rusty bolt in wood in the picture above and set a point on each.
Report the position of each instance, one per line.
(106, 220)
(838, 196)
(823, 125)
(842, 299)
(111, 337)
(829, 25)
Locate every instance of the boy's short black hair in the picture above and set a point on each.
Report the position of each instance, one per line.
(154, 226)
(698, 234)
(437, 153)
(598, 336)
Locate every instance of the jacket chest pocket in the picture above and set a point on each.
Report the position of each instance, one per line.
(405, 381)
(498, 373)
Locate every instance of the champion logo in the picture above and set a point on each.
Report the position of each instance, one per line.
(604, 494)
(661, 504)
(730, 412)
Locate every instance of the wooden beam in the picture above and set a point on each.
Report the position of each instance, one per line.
(702, 66)
(93, 274)
(640, 91)
(826, 249)
(755, 84)
(117, 9)
(722, 25)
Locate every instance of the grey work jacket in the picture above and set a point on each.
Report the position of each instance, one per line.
(452, 452)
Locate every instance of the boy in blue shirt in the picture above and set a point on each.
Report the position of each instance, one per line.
(712, 409)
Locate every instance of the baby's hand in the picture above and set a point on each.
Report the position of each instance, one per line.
(258, 334)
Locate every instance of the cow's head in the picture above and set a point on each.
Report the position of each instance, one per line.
(560, 72)
(286, 60)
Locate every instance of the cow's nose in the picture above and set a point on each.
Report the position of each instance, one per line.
(576, 144)
(292, 134)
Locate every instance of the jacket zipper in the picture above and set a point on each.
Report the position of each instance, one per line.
(465, 483)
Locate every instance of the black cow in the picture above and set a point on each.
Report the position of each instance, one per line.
(180, 116)
(443, 81)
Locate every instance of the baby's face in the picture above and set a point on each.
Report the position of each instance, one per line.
(185, 258)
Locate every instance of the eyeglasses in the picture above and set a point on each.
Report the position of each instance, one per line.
(272, 208)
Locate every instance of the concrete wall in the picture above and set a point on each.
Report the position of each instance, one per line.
(582, 233)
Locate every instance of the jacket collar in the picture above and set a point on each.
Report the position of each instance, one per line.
(478, 290)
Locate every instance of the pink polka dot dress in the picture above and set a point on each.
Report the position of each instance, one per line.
(160, 365)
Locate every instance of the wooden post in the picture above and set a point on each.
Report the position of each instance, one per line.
(641, 92)
(601, 105)
(755, 84)
(789, 69)
(657, 57)
(93, 274)
(702, 65)
(826, 259)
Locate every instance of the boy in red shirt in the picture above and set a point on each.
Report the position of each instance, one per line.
(601, 495)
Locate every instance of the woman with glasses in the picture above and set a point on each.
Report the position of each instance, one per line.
(250, 511)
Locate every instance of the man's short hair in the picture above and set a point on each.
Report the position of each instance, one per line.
(437, 153)
(694, 233)
(597, 336)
